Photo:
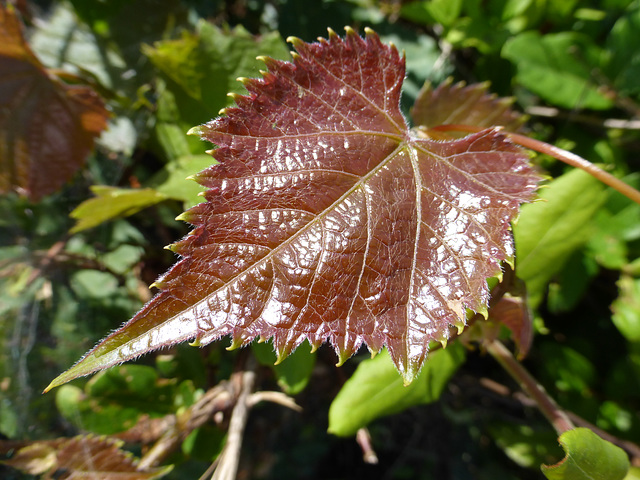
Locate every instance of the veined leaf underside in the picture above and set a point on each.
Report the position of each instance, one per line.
(326, 217)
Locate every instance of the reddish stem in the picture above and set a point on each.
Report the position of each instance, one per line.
(549, 408)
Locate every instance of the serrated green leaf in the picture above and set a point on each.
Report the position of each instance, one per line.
(110, 203)
(558, 68)
(589, 457)
(549, 230)
(376, 389)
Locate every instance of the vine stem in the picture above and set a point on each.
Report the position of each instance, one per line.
(560, 154)
(549, 408)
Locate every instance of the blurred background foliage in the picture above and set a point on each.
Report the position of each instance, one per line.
(77, 264)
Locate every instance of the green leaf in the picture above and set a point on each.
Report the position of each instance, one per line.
(526, 446)
(634, 474)
(558, 68)
(549, 230)
(114, 400)
(64, 41)
(444, 12)
(567, 368)
(293, 372)
(196, 73)
(623, 50)
(616, 225)
(173, 180)
(589, 457)
(110, 203)
(626, 308)
(376, 389)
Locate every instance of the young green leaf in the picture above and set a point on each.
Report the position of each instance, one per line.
(326, 217)
(589, 457)
(113, 202)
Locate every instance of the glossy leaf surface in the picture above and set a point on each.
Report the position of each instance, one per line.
(47, 128)
(326, 217)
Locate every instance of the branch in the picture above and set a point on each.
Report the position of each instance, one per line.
(364, 440)
(549, 408)
(230, 457)
(630, 447)
(217, 399)
(551, 112)
(275, 397)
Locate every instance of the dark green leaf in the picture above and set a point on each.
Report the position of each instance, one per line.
(559, 68)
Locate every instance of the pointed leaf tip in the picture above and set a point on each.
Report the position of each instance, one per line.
(197, 130)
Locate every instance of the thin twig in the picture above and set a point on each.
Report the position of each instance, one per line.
(230, 456)
(551, 112)
(549, 408)
(216, 399)
(274, 397)
(579, 162)
(364, 440)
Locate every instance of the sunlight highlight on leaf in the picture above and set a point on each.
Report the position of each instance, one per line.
(327, 218)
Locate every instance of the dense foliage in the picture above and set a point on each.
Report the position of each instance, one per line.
(76, 263)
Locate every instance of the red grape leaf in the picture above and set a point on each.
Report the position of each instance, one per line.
(47, 128)
(328, 218)
(83, 456)
(464, 105)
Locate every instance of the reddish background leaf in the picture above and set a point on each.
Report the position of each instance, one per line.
(328, 218)
(47, 128)
(83, 456)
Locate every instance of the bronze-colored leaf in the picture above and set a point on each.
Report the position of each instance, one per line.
(81, 457)
(326, 217)
(47, 128)
(462, 104)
